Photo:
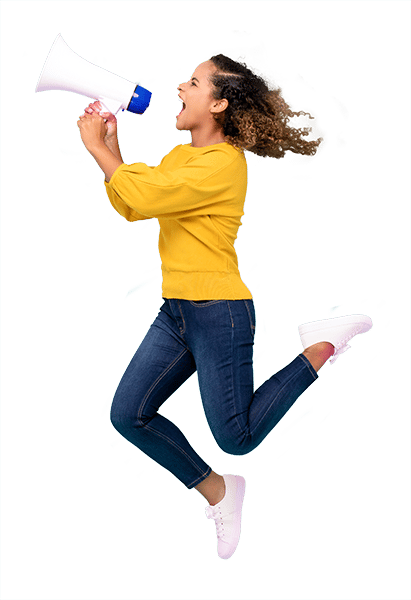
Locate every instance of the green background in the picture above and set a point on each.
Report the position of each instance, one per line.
(330, 518)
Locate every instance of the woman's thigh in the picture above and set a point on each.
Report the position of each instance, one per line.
(220, 334)
(159, 367)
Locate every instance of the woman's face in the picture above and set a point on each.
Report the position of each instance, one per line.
(198, 102)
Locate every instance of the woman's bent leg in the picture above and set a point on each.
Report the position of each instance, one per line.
(159, 367)
(222, 344)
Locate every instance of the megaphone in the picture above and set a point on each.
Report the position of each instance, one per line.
(66, 70)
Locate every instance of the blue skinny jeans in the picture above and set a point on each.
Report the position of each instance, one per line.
(214, 338)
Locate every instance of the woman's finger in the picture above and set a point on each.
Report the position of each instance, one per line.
(96, 106)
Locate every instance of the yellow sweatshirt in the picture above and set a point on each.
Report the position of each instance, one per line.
(197, 195)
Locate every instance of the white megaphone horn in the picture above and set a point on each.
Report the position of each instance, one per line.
(66, 70)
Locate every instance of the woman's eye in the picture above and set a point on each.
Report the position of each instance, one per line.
(192, 83)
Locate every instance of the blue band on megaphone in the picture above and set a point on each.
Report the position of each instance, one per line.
(139, 100)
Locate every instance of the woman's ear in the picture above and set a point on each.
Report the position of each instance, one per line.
(219, 106)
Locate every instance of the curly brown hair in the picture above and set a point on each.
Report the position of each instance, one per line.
(256, 117)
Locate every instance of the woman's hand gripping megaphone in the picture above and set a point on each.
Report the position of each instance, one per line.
(97, 126)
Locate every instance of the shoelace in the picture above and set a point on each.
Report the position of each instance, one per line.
(343, 346)
(341, 351)
(215, 514)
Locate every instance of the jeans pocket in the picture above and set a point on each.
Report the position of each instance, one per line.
(249, 304)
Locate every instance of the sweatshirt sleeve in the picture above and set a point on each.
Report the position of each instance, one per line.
(121, 207)
(189, 190)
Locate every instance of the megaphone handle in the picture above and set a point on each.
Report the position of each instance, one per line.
(111, 106)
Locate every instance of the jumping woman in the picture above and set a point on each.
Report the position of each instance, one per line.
(207, 321)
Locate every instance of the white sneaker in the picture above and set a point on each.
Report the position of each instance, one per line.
(227, 515)
(336, 331)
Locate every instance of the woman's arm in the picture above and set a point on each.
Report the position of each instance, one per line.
(105, 159)
(99, 135)
(112, 144)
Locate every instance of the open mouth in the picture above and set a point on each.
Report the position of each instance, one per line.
(183, 109)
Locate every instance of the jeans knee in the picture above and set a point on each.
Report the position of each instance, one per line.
(117, 421)
(234, 447)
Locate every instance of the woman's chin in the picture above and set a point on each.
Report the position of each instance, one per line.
(180, 125)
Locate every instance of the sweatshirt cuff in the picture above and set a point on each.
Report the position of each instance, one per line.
(110, 183)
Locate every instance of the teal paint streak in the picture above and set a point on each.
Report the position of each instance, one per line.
(306, 413)
(105, 407)
(147, 224)
(240, 33)
(302, 177)
(258, 356)
(139, 286)
(68, 152)
(150, 270)
(334, 309)
(325, 417)
(283, 454)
